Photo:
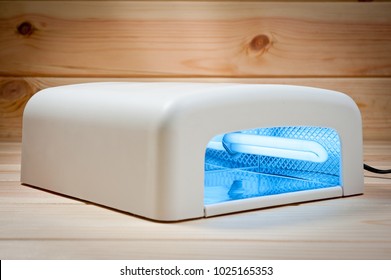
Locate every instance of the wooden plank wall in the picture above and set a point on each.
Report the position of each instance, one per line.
(344, 46)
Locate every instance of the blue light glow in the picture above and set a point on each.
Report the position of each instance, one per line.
(267, 161)
(274, 146)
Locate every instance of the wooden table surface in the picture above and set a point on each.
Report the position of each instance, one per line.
(40, 225)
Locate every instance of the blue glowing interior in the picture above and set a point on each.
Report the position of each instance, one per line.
(269, 161)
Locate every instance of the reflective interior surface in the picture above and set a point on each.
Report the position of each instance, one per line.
(275, 162)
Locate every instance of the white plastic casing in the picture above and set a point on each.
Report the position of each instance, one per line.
(140, 147)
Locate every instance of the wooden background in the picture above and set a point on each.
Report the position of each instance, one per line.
(345, 46)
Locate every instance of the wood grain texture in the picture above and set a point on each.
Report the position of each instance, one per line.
(372, 95)
(340, 46)
(14, 94)
(188, 39)
(41, 225)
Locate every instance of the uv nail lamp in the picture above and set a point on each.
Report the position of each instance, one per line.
(175, 151)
